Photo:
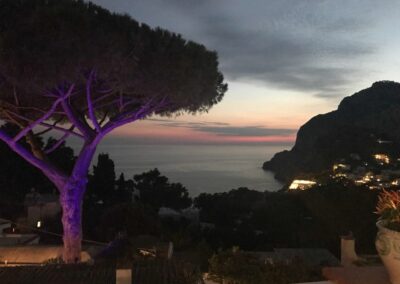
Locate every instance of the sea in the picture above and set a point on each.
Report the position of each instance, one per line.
(200, 168)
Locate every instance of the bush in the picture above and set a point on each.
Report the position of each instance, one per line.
(237, 267)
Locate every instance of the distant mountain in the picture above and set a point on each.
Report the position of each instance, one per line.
(360, 121)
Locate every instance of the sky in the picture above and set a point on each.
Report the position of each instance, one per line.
(285, 61)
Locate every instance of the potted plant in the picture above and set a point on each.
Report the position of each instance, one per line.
(388, 237)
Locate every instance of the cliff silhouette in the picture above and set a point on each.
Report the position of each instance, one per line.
(361, 120)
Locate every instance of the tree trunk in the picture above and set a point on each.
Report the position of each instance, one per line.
(71, 198)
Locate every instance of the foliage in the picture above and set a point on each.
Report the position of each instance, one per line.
(156, 191)
(335, 210)
(170, 271)
(127, 218)
(238, 267)
(102, 182)
(311, 218)
(282, 217)
(63, 157)
(225, 207)
(18, 178)
(201, 253)
(124, 190)
(388, 207)
(44, 43)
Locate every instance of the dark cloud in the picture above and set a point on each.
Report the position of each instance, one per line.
(175, 123)
(246, 131)
(278, 57)
(225, 129)
(308, 46)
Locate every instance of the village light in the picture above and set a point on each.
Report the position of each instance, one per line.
(39, 224)
(298, 184)
(382, 158)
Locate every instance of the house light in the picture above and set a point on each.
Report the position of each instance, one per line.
(367, 178)
(341, 175)
(341, 167)
(39, 224)
(382, 158)
(301, 184)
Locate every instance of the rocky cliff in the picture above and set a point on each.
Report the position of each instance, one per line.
(355, 127)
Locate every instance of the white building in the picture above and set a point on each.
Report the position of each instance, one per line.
(40, 207)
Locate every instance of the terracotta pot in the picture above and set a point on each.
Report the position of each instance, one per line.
(388, 246)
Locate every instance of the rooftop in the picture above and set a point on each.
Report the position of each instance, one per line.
(60, 274)
(146, 272)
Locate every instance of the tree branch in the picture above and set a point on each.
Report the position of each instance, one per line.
(49, 170)
(99, 99)
(121, 102)
(45, 124)
(128, 117)
(15, 97)
(58, 143)
(106, 104)
(91, 110)
(12, 119)
(48, 129)
(74, 118)
(38, 110)
(104, 118)
(36, 147)
(25, 131)
(124, 105)
(61, 129)
(43, 132)
(143, 108)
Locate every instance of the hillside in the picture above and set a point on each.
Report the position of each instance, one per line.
(360, 121)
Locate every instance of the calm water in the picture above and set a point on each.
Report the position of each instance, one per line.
(201, 168)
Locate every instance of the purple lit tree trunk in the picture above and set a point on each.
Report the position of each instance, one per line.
(71, 198)
(71, 202)
(91, 130)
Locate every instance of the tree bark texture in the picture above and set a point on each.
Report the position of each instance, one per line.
(71, 198)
